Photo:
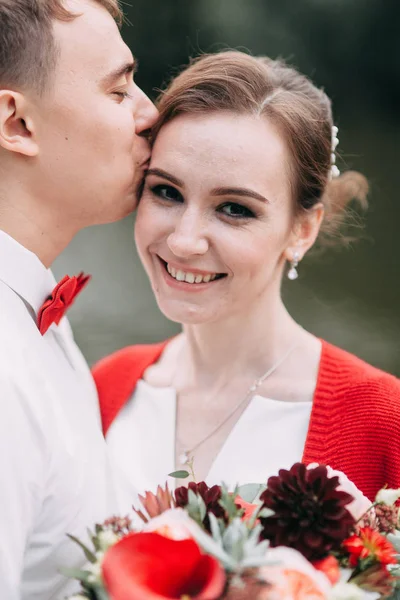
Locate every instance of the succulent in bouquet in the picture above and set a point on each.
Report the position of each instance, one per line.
(308, 533)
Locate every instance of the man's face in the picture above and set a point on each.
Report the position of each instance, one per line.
(91, 154)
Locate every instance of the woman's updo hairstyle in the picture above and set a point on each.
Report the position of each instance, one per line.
(234, 81)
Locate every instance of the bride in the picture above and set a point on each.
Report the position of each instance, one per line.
(242, 182)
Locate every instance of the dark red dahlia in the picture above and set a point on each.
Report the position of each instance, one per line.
(210, 495)
(310, 512)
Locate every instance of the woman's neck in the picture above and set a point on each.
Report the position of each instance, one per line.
(249, 344)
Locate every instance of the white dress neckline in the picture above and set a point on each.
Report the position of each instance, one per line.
(269, 435)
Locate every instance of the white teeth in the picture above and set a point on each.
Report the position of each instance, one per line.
(189, 277)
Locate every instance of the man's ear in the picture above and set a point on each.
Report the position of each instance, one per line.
(305, 232)
(17, 132)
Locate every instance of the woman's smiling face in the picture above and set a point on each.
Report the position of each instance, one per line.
(216, 216)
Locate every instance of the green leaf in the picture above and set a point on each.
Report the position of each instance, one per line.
(265, 513)
(75, 574)
(227, 502)
(196, 507)
(179, 474)
(93, 537)
(99, 592)
(249, 492)
(88, 553)
(215, 528)
(394, 538)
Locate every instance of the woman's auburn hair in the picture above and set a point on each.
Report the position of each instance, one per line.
(261, 87)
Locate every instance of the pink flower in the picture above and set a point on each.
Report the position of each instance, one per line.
(293, 577)
(247, 507)
(174, 524)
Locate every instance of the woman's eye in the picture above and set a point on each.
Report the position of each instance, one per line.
(166, 192)
(237, 211)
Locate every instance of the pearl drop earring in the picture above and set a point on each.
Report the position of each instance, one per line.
(292, 273)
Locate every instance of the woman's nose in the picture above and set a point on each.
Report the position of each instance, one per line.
(188, 237)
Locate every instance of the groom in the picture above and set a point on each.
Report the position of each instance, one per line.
(72, 154)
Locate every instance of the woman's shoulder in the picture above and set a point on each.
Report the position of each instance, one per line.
(117, 374)
(133, 358)
(344, 372)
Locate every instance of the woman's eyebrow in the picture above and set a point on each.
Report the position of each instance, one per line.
(165, 175)
(233, 191)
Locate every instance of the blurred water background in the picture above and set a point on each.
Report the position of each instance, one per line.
(351, 48)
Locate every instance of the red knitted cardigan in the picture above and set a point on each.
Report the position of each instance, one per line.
(354, 424)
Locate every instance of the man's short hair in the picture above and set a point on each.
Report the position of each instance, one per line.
(28, 52)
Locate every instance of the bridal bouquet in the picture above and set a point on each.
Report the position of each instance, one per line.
(309, 533)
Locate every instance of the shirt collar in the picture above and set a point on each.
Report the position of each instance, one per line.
(24, 273)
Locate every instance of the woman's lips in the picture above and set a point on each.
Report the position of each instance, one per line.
(189, 278)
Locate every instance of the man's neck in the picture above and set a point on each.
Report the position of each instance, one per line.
(35, 232)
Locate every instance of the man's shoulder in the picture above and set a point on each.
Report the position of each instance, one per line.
(17, 319)
(21, 357)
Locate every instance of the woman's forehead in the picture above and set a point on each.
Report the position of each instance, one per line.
(224, 146)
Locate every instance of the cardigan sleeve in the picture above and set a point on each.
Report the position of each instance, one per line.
(369, 440)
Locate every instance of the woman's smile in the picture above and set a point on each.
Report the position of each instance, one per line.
(186, 278)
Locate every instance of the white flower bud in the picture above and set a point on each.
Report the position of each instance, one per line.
(387, 496)
(107, 538)
(95, 569)
(346, 591)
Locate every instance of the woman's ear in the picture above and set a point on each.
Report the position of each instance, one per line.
(17, 132)
(305, 232)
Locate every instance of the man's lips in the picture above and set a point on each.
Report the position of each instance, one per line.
(146, 162)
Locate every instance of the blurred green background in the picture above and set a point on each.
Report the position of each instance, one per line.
(352, 49)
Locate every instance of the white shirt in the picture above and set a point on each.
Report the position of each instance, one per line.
(54, 468)
(269, 435)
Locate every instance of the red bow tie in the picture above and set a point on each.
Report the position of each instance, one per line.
(60, 299)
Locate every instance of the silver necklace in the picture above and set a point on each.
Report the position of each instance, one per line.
(186, 456)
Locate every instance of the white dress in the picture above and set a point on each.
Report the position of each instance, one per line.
(269, 435)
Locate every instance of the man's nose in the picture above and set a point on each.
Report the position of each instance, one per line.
(146, 113)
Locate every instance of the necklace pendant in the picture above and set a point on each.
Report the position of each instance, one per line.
(183, 458)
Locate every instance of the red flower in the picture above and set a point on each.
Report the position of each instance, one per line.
(330, 567)
(61, 298)
(369, 543)
(210, 495)
(148, 566)
(309, 511)
(247, 507)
